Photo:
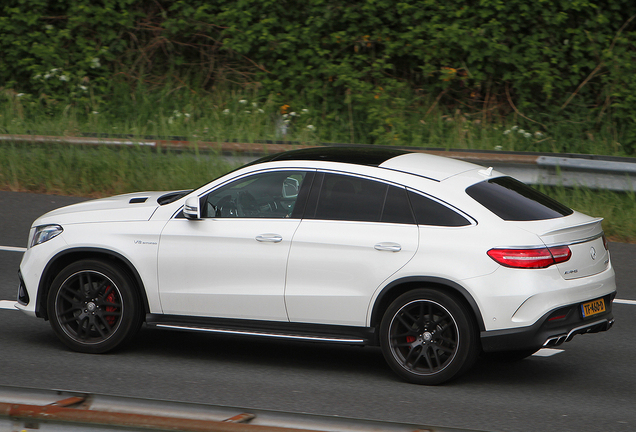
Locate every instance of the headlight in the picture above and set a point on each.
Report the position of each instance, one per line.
(45, 233)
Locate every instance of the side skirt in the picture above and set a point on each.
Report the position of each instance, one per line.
(274, 329)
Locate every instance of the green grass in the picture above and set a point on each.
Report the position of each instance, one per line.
(244, 116)
(102, 171)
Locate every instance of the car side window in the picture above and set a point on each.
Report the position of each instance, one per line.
(262, 195)
(430, 212)
(351, 198)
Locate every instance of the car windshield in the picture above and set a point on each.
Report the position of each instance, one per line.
(513, 200)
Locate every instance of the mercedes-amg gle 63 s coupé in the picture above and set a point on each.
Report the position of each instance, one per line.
(433, 259)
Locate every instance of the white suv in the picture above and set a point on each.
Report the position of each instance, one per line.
(434, 259)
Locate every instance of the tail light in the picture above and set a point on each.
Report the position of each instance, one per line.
(531, 258)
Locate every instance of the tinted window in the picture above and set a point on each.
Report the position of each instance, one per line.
(342, 197)
(350, 198)
(263, 195)
(396, 207)
(430, 212)
(512, 200)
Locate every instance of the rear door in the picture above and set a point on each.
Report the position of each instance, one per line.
(355, 234)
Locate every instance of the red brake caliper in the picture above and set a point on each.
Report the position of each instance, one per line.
(111, 299)
(410, 339)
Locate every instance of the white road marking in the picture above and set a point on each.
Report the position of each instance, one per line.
(7, 304)
(12, 249)
(547, 352)
(629, 302)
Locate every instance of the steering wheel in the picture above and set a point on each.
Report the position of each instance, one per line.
(226, 207)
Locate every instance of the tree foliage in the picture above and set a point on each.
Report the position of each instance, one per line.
(544, 60)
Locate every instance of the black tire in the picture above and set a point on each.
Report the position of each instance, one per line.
(93, 306)
(428, 337)
(509, 356)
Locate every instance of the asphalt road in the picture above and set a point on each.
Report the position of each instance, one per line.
(589, 385)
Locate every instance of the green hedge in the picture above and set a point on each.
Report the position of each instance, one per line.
(543, 61)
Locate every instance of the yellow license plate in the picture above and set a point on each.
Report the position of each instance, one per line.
(592, 308)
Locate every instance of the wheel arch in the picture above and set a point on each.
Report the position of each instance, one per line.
(400, 286)
(64, 258)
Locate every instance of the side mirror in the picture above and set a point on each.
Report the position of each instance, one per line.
(191, 210)
(290, 188)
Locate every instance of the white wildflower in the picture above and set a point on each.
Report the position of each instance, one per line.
(81, 87)
(305, 110)
(260, 111)
(311, 127)
(187, 115)
(242, 101)
(498, 148)
(254, 104)
(19, 95)
(226, 111)
(521, 131)
(527, 135)
(538, 134)
(506, 132)
(285, 116)
(38, 76)
(48, 27)
(293, 114)
(286, 121)
(63, 77)
(47, 76)
(248, 111)
(95, 63)
(514, 128)
(95, 112)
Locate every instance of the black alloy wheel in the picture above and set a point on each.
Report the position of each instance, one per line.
(92, 307)
(427, 337)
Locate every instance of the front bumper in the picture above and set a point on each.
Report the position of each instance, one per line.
(549, 331)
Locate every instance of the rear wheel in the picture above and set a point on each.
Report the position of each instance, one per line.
(93, 307)
(427, 337)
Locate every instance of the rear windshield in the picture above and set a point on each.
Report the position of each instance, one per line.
(512, 200)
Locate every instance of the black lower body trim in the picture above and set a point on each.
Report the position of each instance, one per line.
(276, 329)
(554, 328)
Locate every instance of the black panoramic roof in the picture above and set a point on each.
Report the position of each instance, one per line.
(372, 156)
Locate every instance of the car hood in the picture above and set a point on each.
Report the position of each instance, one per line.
(138, 206)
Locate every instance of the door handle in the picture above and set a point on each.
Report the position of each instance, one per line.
(388, 246)
(269, 238)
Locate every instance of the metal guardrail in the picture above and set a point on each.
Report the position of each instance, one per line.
(58, 410)
(572, 170)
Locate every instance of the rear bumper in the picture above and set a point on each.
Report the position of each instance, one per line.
(550, 331)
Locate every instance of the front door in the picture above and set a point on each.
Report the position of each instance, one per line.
(232, 262)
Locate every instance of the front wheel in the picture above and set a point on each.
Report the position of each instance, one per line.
(428, 337)
(92, 306)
